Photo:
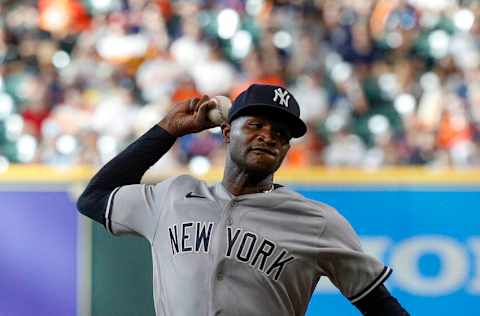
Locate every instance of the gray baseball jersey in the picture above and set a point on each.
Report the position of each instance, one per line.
(254, 254)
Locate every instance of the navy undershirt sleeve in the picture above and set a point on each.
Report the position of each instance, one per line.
(380, 302)
(127, 167)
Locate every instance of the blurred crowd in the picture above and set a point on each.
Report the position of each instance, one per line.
(380, 83)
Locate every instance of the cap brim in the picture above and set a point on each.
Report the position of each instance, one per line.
(296, 126)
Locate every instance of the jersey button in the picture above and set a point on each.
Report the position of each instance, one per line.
(220, 276)
(234, 203)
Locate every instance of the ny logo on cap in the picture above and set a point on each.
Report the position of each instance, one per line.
(282, 95)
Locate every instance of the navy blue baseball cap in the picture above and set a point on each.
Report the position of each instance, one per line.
(271, 100)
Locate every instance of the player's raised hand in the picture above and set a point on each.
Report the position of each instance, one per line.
(188, 117)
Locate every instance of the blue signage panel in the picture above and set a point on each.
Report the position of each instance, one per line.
(430, 236)
(38, 254)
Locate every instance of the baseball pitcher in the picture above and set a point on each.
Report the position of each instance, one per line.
(245, 246)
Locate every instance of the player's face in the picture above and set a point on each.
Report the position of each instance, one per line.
(258, 143)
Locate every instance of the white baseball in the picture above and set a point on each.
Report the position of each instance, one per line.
(219, 114)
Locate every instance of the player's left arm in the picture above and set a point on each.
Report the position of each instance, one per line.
(379, 302)
(357, 275)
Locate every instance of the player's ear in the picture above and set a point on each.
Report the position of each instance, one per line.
(226, 132)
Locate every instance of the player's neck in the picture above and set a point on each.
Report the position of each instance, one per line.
(239, 188)
(238, 181)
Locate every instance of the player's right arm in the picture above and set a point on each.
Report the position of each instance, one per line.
(118, 181)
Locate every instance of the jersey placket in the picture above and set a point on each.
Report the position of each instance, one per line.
(220, 247)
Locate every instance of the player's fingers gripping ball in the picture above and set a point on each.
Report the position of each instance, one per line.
(219, 113)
